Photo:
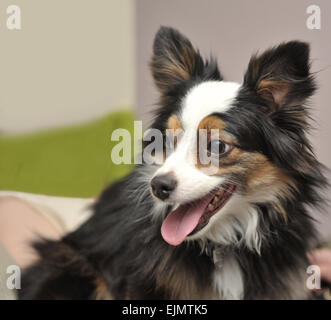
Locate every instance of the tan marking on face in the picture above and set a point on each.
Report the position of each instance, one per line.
(173, 132)
(212, 122)
(174, 123)
(265, 173)
(214, 127)
(267, 177)
(261, 176)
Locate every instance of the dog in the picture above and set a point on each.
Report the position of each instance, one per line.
(179, 230)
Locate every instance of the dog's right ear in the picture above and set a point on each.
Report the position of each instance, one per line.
(174, 60)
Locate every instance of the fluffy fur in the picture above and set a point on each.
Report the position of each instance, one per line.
(255, 246)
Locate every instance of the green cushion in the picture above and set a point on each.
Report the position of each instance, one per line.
(72, 161)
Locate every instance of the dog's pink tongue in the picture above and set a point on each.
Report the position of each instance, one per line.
(181, 222)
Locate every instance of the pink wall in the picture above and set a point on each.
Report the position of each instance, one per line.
(232, 30)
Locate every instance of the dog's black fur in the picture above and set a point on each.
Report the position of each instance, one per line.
(119, 252)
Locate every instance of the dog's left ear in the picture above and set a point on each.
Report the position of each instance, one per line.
(280, 76)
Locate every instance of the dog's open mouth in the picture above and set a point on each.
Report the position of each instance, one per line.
(191, 217)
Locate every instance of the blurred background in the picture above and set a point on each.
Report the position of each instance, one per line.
(78, 69)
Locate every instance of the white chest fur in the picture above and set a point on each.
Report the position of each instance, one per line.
(228, 280)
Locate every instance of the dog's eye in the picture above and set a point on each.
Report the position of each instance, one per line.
(218, 148)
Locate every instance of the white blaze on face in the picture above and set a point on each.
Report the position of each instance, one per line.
(201, 101)
(205, 99)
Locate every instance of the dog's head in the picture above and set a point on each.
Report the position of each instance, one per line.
(234, 146)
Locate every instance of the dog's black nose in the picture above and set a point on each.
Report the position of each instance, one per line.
(163, 185)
